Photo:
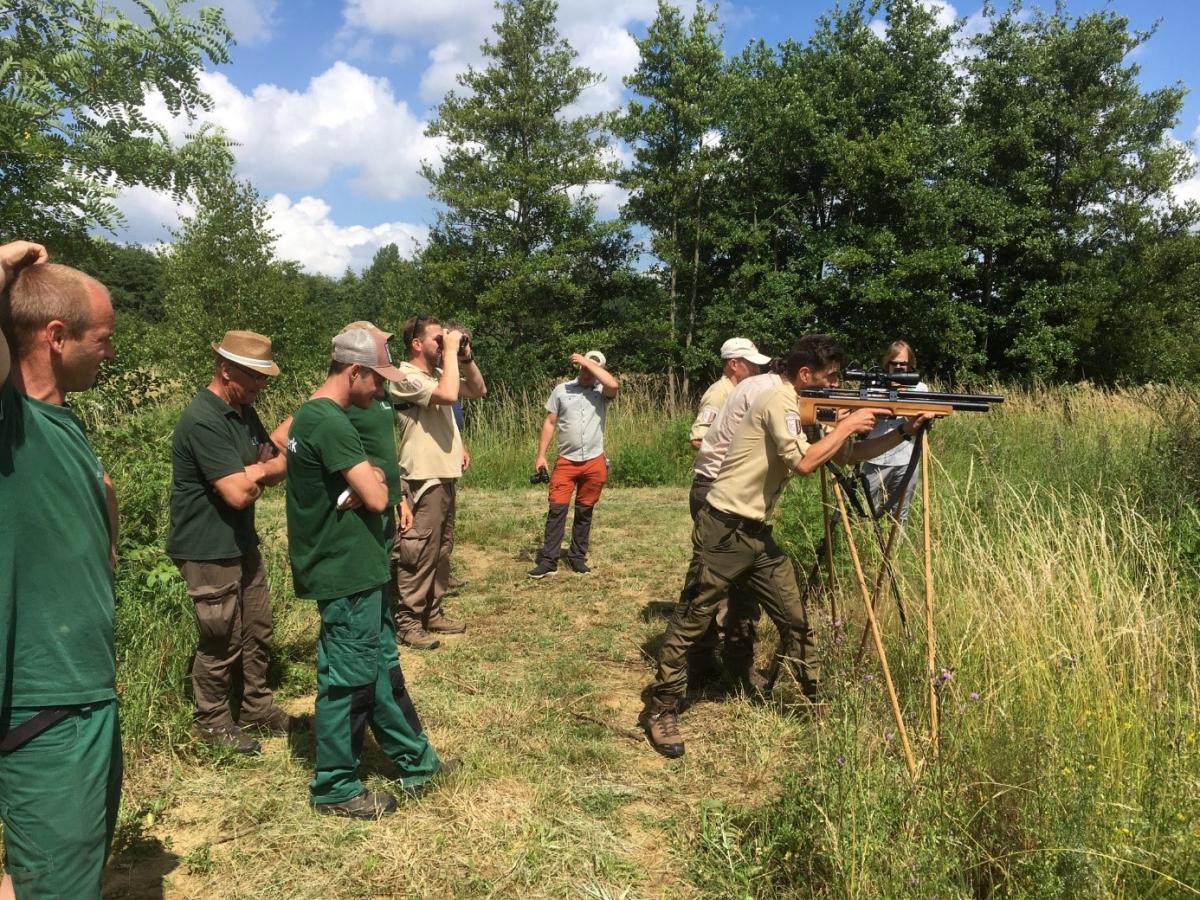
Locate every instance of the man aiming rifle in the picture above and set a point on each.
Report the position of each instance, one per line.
(732, 540)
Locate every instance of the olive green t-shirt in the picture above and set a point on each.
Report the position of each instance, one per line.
(334, 553)
(377, 428)
(211, 441)
(763, 455)
(56, 584)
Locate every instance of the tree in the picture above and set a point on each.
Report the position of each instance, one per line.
(1070, 169)
(676, 139)
(517, 247)
(74, 79)
(221, 274)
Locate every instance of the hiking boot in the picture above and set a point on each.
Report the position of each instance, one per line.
(276, 723)
(660, 719)
(227, 737)
(419, 639)
(543, 568)
(578, 566)
(367, 805)
(442, 625)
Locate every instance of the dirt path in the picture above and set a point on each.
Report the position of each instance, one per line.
(558, 797)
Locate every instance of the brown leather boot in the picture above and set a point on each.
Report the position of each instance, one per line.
(660, 718)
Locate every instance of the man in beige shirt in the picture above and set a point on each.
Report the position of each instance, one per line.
(732, 540)
(440, 370)
(740, 359)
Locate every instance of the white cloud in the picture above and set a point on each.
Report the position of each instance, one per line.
(344, 121)
(150, 215)
(251, 21)
(453, 30)
(309, 236)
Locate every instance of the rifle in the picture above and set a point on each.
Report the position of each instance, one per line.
(880, 390)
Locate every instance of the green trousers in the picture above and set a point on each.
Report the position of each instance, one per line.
(59, 795)
(728, 551)
(359, 683)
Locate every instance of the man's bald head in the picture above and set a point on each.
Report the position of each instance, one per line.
(46, 293)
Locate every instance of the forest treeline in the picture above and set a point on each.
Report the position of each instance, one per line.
(1006, 199)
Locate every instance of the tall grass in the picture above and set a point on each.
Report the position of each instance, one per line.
(1069, 671)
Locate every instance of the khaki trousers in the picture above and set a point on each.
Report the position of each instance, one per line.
(421, 556)
(725, 550)
(233, 622)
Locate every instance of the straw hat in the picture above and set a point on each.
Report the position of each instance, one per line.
(249, 349)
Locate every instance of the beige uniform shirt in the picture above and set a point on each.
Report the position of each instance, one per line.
(429, 442)
(710, 404)
(716, 442)
(762, 456)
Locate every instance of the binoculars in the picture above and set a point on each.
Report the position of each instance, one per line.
(463, 346)
(541, 476)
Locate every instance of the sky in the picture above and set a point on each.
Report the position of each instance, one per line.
(328, 102)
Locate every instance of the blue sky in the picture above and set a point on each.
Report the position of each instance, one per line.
(328, 100)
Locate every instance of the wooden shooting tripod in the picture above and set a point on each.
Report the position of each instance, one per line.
(871, 597)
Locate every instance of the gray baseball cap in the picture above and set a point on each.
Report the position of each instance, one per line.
(366, 348)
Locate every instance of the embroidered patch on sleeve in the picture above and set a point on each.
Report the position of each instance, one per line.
(792, 420)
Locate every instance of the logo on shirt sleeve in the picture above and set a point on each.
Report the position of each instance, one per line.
(708, 415)
(291, 445)
(792, 421)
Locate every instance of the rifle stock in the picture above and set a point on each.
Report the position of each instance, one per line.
(818, 410)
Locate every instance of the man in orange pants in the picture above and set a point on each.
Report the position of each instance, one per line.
(575, 411)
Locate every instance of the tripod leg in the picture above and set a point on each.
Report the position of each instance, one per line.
(874, 623)
(884, 568)
(828, 541)
(930, 638)
(885, 553)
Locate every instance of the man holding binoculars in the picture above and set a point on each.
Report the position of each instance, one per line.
(440, 370)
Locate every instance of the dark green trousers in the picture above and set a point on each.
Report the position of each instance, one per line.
(359, 683)
(728, 551)
(59, 795)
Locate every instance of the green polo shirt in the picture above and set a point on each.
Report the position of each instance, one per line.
(376, 425)
(211, 440)
(56, 585)
(334, 553)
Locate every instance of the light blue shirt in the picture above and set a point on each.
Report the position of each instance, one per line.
(580, 411)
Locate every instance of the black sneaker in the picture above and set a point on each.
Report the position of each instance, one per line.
(367, 805)
(578, 566)
(543, 568)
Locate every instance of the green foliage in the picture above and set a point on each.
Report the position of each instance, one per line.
(517, 252)
(74, 80)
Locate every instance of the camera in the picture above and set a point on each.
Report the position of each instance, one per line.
(541, 476)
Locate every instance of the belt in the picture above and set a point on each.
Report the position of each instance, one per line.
(753, 526)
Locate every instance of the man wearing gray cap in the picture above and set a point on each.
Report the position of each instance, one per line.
(221, 460)
(335, 504)
(575, 411)
(740, 359)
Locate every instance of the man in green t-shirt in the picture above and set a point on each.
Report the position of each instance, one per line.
(335, 504)
(221, 460)
(60, 741)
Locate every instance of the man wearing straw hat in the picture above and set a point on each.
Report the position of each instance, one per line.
(575, 411)
(221, 461)
(335, 504)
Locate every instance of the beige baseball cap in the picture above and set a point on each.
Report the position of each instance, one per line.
(743, 348)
